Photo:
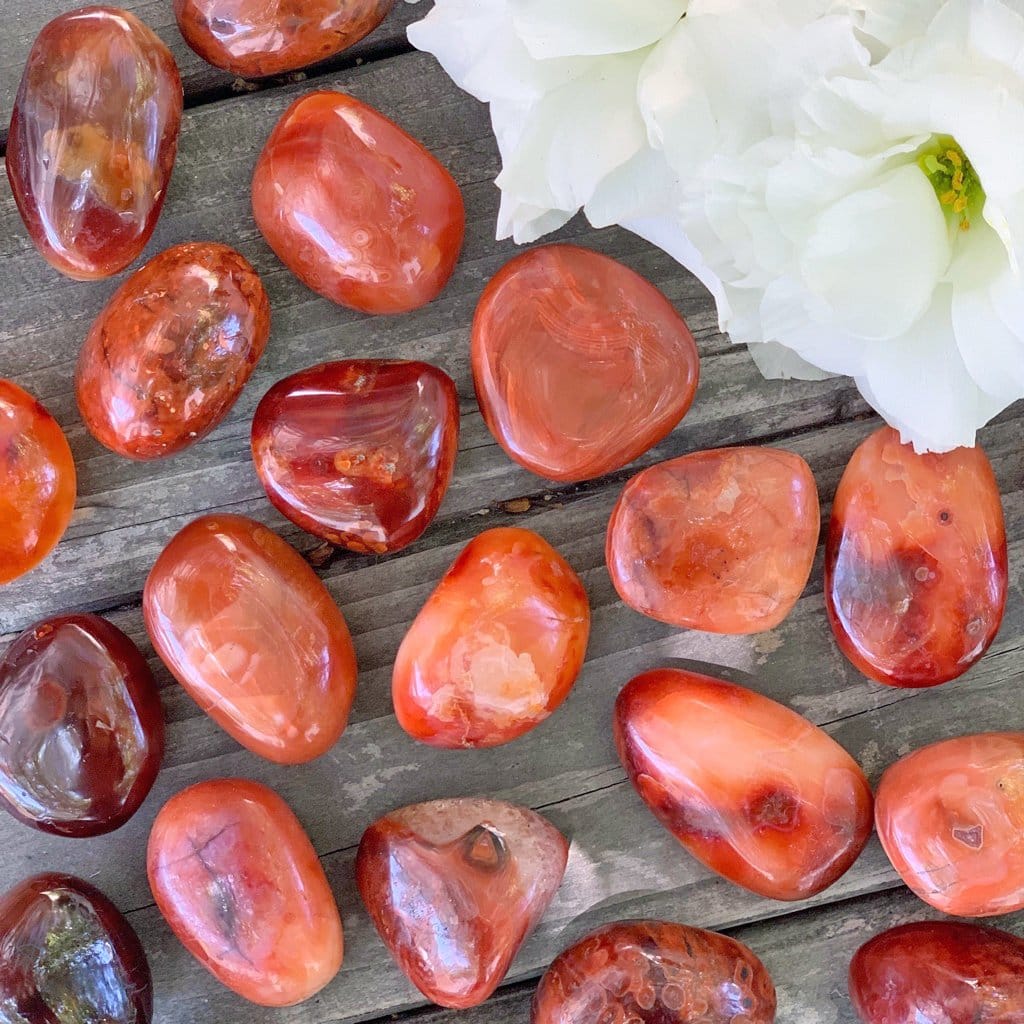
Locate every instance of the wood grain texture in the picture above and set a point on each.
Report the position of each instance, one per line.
(622, 863)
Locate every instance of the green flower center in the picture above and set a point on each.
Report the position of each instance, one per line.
(954, 179)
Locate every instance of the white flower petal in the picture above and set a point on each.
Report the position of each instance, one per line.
(644, 186)
(776, 362)
(562, 28)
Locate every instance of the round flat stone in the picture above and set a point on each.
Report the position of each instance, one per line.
(720, 540)
(580, 365)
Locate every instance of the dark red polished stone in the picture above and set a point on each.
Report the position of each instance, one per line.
(915, 565)
(67, 956)
(655, 972)
(939, 972)
(496, 648)
(172, 349)
(240, 884)
(580, 365)
(93, 137)
(252, 38)
(455, 887)
(752, 789)
(248, 629)
(357, 209)
(81, 727)
(359, 452)
(950, 817)
(720, 540)
(37, 482)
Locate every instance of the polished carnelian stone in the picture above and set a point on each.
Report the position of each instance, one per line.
(246, 626)
(92, 140)
(252, 38)
(170, 352)
(67, 956)
(749, 787)
(81, 727)
(357, 209)
(915, 565)
(37, 482)
(497, 646)
(950, 817)
(455, 887)
(939, 972)
(359, 452)
(580, 365)
(240, 884)
(655, 972)
(721, 540)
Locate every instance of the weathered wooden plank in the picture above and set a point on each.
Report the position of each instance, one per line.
(24, 18)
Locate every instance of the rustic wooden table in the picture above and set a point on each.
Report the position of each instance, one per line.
(623, 864)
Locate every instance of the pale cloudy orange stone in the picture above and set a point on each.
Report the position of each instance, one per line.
(496, 648)
(951, 817)
(720, 540)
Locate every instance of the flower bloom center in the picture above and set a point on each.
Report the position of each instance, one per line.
(954, 179)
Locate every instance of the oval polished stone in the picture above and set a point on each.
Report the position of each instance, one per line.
(454, 888)
(357, 209)
(246, 626)
(950, 816)
(81, 727)
(359, 452)
(721, 540)
(37, 482)
(172, 349)
(67, 955)
(93, 137)
(580, 365)
(496, 648)
(915, 565)
(252, 38)
(655, 972)
(240, 884)
(939, 972)
(752, 789)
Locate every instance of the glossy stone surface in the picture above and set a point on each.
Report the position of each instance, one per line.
(252, 38)
(359, 452)
(246, 626)
(455, 886)
(749, 787)
(939, 972)
(357, 209)
(67, 956)
(720, 540)
(580, 364)
(496, 648)
(92, 140)
(915, 565)
(81, 727)
(655, 972)
(37, 482)
(172, 349)
(950, 816)
(240, 884)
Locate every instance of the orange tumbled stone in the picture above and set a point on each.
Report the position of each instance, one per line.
(357, 209)
(580, 365)
(950, 817)
(172, 349)
(93, 137)
(496, 648)
(915, 564)
(752, 789)
(252, 38)
(37, 482)
(248, 629)
(240, 884)
(719, 540)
